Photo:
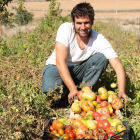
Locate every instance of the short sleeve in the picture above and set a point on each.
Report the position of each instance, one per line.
(63, 34)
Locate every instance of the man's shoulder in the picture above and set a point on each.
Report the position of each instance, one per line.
(67, 25)
(96, 35)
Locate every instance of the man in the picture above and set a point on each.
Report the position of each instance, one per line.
(80, 54)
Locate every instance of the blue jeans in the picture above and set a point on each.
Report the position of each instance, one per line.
(88, 71)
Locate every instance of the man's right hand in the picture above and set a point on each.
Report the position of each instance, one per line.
(71, 95)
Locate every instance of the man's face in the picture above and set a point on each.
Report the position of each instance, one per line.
(82, 26)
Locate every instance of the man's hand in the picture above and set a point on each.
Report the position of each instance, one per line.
(123, 95)
(71, 95)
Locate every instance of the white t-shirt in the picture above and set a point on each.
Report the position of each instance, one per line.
(97, 43)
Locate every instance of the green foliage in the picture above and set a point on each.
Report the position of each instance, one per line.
(4, 3)
(22, 16)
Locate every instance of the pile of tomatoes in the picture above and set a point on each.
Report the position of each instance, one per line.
(94, 117)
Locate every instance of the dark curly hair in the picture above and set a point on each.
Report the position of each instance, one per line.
(82, 10)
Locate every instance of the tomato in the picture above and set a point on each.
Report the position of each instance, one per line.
(96, 114)
(65, 136)
(54, 132)
(105, 111)
(98, 99)
(106, 124)
(110, 134)
(103, 93)
(88, 136)
(69, 126)
(111, 129)
(87, 106)
(77, 123)
(120, 127)
(95, 132)
(61, 131)
(86, 89)
(50, 128)
(116, 103)
(72, 135)
(100, 124)
(104, 117)
(82, 130)
(97, 118)
(67, 130)
(95, 103)
(83, 114)
(113, 115)
(79, 94)
(103, 104)
(57, 124)
(79, 136)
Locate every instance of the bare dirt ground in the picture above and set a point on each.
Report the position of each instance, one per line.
(104, 10)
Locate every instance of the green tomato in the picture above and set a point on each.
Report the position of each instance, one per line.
(88, 117)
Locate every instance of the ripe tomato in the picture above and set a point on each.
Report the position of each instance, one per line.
(106, 124)
(110, 134)
(102, 136)
(79, 94)
(95, 132)
(50, 128)
(87, 106)
(82, 130)
(77, 123)
(99, 124)
(104, 117)
(105, 111)
(111, 129)
(98, 99)
(72, 135)
(116, 103)
(83, 114)
(67, 130)
(79, 136)
(57, 124)
(97, 118)
(65, 136)
(61, 131)
(54, 132)
(96, 114)
(88, 136)
(69, 126)
(104, 104)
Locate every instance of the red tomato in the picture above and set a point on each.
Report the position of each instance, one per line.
(106, 124)
(87, 106)
(99, 124)
(110, 134)
(95, 132)
(79, 136)
(105, 111)
(72, 135)
(67, 130)
(98, 99)
(50, 128)
(79, 94)
(104, 117)
(97, 118)
(111, 129)
(96, 114)
(88, 136)
(69, 126)
(83, 114)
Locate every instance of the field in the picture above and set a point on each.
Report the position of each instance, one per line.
(24, 109)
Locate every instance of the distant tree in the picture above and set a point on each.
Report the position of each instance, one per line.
(3, 3)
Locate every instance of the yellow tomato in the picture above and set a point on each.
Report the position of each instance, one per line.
(95, 103)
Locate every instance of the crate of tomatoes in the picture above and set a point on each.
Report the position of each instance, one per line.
(95, 117)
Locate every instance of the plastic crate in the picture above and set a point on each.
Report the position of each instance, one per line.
(49, 122)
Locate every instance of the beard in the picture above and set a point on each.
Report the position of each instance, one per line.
(86, 33)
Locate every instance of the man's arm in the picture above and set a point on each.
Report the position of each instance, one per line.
(61, 56)
(121, 79)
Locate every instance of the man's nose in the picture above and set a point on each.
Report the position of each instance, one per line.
(83, 26)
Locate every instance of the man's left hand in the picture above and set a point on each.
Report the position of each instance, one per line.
(123, 95)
